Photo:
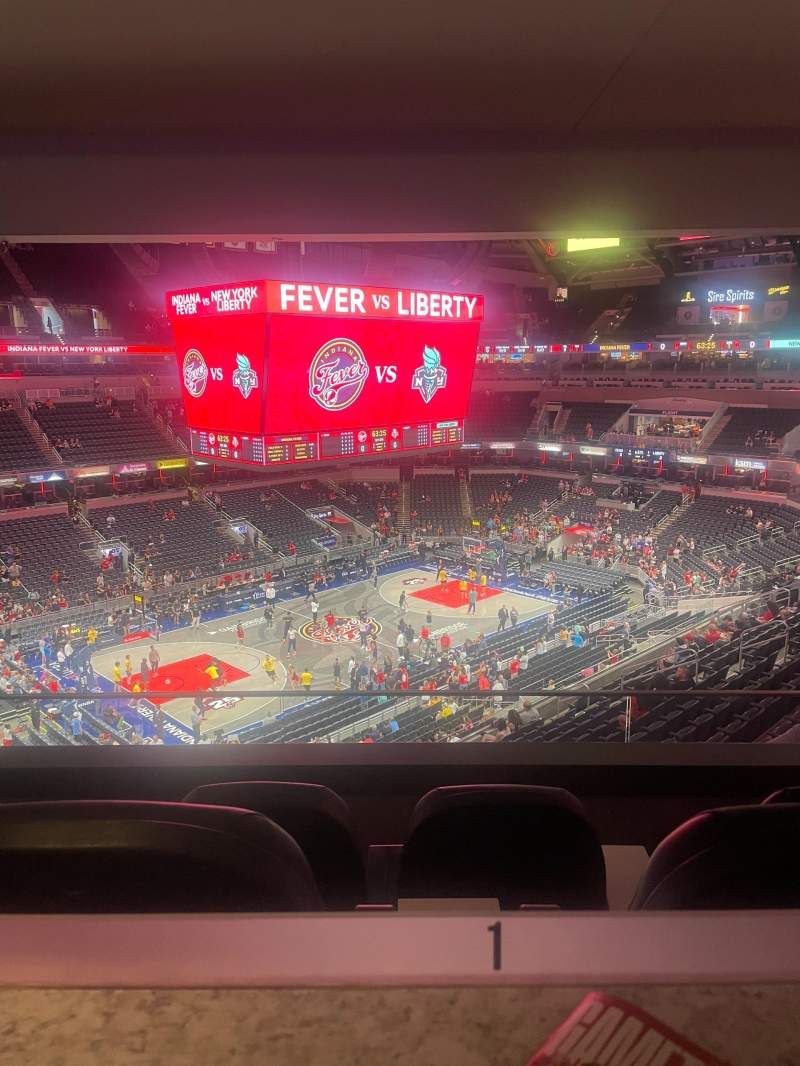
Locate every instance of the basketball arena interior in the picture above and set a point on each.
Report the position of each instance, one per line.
(400, 537)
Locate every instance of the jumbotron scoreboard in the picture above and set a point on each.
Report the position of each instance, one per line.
(281, 372)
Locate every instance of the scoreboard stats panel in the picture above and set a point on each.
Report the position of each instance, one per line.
(305, 447)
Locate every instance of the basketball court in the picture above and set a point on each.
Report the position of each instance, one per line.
(186, 653)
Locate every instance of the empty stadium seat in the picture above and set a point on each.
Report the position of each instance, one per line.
(520, 844)
(728, 858)
(119, 856)
(318, 819)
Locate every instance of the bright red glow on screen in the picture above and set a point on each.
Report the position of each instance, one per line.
(321, 376)
(221, 367)
(294, 371)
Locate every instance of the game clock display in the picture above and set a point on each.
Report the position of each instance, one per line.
(305, 447)
(294, 372)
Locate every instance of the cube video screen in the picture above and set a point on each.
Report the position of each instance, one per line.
(280, 372)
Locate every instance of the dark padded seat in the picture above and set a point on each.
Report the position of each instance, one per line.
(101, 856)
(318, 819)
(731, 857)
(520, 844)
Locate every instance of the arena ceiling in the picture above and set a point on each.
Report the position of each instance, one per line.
(355, 120)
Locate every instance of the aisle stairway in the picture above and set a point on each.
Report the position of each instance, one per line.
(404, 507)
(466, 500)
(711, 436)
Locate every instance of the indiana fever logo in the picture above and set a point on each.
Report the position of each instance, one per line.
(337, 374)
(431, 376)
(195, 373)
(343, 631)
(245, 378)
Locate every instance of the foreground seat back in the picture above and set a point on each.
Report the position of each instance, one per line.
(318, 819)
(784, 795)
(138, 857)
(519, 844)
(731, 857)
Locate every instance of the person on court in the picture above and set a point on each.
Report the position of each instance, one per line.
(314, 609)
(213, 673)
(330, 621)
(268, 614)
(128, 667)
(337, 673)
(288, 620)
(155, 659)
(291, 640)
(240, 634)
(198, 714)
(441, 577)
(306, 678)
(268, 665)
(472, 597)
(402, 601)
(195, 616)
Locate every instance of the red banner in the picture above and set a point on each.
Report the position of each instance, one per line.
(323, 298)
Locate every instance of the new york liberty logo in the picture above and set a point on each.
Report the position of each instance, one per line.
(431, 376)
(245, 378)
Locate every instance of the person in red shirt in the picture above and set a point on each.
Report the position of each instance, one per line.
(424, 633)
(403, 678)
(240, 633)
(330, 619)
(483, 682)
(445, 642)
(513, 667)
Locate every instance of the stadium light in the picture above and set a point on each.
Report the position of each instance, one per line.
(587, 244)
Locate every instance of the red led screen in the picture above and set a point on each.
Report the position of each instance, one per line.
(221, 367)
(267, 378)
(329, 375)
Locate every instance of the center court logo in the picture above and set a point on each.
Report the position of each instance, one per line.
(337, 374)
(431, 376)
(344, 631)
(245, 378)
(195, 373)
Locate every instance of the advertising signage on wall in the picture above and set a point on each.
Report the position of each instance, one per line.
(783, 344)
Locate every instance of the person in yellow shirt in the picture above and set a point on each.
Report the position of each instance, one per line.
(484, 581)
(128, 666)
(91, 635)
(212, 672)
(305, 679)
(442, 576)
(269, 667)
(446, 712)
(116, 674)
